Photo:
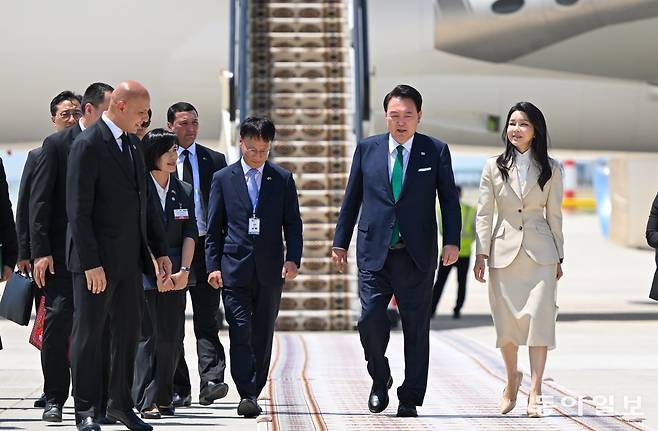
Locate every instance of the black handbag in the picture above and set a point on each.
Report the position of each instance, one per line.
(16, 302)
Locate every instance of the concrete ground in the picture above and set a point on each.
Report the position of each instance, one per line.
(606, 362)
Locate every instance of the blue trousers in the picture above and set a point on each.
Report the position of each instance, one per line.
(413, 291)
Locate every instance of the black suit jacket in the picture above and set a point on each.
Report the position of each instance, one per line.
(230, 248)
(7, 224)
(368, 192)
(210, 161)
(652, 240)
(23, 205)
(179, 196)
(47, 214)
(112, 222)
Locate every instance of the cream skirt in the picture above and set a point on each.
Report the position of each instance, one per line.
(523, 304)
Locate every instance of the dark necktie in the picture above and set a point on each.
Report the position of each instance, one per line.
(125, 153)
(187, 169)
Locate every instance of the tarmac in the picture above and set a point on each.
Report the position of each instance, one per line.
(603, 374)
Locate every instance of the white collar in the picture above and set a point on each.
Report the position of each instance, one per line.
(82, 126)
(393, 144)
(246, 168)
(191, 149)
(116, 130)
(161, 190)
(523, 158)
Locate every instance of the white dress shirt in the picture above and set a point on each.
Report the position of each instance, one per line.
(116, 131)
(199, 208)
(259, 175)
(162, 192)
(82, 126)
(393, 154)
(523, 161)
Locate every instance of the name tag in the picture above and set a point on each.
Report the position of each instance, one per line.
(181, 214)
(254, 226)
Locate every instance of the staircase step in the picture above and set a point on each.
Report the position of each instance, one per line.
(300, 85)
(263, 101)
(326, 132)
(320, 215)
(297, 25)
(321, 182)
(300, 54)
(315, 320)
(297, 40)
(316, 301)
(310, 149)
(319, 231)
(321, 283)
(315, 165)
(300, 9)
(306, 116)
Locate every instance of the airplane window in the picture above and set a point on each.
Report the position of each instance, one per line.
(566, 2)
(507, 6)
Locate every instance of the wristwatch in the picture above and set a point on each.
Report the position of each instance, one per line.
(185, 268)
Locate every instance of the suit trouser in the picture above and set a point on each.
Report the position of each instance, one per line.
(205, 308)
(413, 291)
(442, 273)
(163, 324)
(121, 303)
(251, 314)
(56, 333)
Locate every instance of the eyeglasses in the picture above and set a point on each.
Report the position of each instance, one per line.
(257, 152)
(145, 124)
(64, 115)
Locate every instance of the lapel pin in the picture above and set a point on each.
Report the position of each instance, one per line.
(269, 178)
(173, 198)
(204, 158)
(422, 153)
(134, 147)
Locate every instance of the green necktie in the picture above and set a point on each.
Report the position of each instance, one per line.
(396, 187)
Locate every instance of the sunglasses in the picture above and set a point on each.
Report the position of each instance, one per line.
(145, 124)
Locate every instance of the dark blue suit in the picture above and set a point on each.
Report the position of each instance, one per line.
(405, 272)
(251, 265)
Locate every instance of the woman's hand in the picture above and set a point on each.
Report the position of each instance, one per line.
(559, 271)
(166, 285)
(180, 280)
(479, 268)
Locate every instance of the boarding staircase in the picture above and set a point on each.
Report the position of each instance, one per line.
(300, 73)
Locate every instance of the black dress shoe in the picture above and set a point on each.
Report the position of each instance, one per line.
(41, 401)
(129, 419)
(167, 411)
(456, 314)
(52, 412)
(249, 408)
(150, 414)
(378, 400)
(88, 424)
(179, 401)
(212, 391)
(406, 410)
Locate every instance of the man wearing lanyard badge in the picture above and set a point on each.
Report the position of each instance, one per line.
(251, 203)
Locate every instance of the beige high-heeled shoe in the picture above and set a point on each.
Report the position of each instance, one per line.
(535, 406)
(508, 402)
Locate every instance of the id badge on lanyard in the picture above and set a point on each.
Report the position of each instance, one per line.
(254, 225)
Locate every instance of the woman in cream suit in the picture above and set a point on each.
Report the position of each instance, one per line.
(524, 248)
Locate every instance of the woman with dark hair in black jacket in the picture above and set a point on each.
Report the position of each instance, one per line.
(163, 317)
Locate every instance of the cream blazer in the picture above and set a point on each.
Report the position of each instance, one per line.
(530, 218)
